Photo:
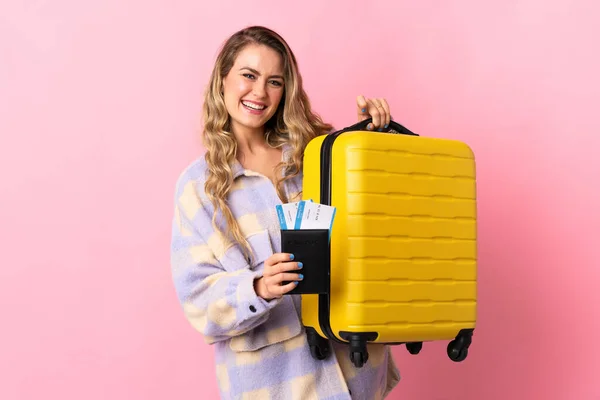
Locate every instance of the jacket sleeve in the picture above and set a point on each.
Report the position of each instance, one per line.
(218, 303)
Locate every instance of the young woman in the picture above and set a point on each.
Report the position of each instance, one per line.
(226, 261)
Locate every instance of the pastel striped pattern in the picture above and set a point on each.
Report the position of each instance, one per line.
(260, 347)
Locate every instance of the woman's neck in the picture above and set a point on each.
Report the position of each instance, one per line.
(251, 142)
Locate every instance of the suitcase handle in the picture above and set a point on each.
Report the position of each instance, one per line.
(394, 127)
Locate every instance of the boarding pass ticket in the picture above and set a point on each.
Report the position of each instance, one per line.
(305, 214)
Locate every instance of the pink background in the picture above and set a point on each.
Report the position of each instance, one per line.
(99, 109)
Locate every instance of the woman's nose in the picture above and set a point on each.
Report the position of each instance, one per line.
(259, 89)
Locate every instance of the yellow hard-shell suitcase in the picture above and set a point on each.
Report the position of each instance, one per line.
(400, 264)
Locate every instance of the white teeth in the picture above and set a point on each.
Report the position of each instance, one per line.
(253, 106)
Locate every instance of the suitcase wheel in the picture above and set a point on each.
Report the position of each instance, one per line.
(318, 352)
(359, 355)
(414, 347)
(319, 347)
(458, 349)
(359, 358)
(456, 352)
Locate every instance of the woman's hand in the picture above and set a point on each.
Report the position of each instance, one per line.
(275, 272)
(378, 109)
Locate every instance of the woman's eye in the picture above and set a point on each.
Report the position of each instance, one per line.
(276, 83)
(249, 76)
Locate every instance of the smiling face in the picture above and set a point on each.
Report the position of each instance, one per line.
(253, 88)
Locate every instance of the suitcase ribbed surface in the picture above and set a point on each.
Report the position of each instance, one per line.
(407, 209)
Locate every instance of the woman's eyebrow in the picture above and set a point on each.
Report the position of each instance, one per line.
(258, 73)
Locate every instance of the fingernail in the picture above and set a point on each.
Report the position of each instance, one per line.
(295, 282)
(364, 110)
(370, 126)
(291, 256)
(380, 129)
(300, 276)
(386, 125)
(300, 265)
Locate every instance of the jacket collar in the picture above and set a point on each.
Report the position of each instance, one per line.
(238, 170)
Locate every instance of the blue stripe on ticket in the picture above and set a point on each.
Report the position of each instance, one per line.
(281, 216)
(299, 214)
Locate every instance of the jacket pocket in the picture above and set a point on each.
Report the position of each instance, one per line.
(260, 242)
(234, 259)
(282, 324)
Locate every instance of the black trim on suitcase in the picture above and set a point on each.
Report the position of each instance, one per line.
(357, 340)
(393, 127)
(326, 200)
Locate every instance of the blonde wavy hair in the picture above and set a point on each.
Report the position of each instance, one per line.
(293, 123)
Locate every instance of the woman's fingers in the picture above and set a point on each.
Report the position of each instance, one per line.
(386, 109)
(382, 112)
(275, 286)
(278, 258)
(277, 270)
(279, 278)
(282, 267)
(362, 111)
(283, 289)
(377, 109)
(374, 112)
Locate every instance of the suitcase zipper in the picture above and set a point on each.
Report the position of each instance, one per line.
(325, 199)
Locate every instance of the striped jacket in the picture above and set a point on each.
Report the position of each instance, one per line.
(261, 349)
